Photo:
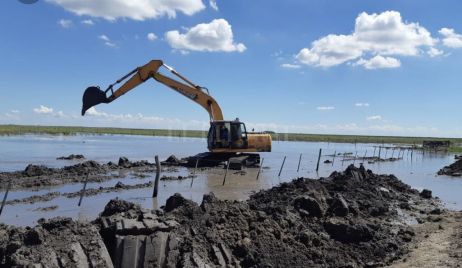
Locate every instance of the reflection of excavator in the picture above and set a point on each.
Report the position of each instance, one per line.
(226, 139)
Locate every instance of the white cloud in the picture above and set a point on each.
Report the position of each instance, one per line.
(434, 52)
(325, 108)
(88, 22)
(107, 41)
(451, 38)
(379, 62)
(151, 36)
(374, 118)
(213, 4)
(104, 38)
(212, 37)
(133, 9)
(65, 23)
(290, 66)
(362, 104)
(43, 110)
(374, 34)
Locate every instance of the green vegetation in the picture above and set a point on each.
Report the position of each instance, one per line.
(64, 130)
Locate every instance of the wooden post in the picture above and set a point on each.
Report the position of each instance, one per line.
(226, 173)
(261, 166)
(299, 160)
(343, 159)
(156, 182)
(5, 197)
(333, 158)
(195, 168)
(392, 152)
(380, 150)
(412, 153)
(373, 155)
(356, 155)
(82, 193)
(280, 170)
(319, 158)
(386, 152)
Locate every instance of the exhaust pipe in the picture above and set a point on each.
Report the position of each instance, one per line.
(93, 96)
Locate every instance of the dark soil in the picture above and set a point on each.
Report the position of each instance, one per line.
(347, 220)
(350, 219)
(71, 157)
(59, 242)
(454, 169)
(37, 176)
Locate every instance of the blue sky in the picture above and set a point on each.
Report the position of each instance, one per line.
(344, 67)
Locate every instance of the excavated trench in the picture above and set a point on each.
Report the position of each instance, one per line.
(351, 219)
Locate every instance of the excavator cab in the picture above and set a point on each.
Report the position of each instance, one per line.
(225, 135)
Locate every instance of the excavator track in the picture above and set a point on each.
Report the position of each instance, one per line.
(237, 161)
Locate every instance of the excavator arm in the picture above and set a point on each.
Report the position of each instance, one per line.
(94, 96)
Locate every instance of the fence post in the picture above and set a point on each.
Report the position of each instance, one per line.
(82, 193)
(5, 197)
(299, 160)
(156, 182)
(261, 166)
(226, 173)
(280, 170)
(333, 158)
(319, 158)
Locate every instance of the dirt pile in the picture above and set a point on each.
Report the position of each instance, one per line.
(71, 157)
(454, 169)
(59, 242)
(41, 176)
(350, 219)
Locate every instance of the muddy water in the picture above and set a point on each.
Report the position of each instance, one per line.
(18, 151)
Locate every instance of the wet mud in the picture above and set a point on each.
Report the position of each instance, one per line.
(454, 169)
(353, 218)
(118, 187)
(71, 157)
(39, 176)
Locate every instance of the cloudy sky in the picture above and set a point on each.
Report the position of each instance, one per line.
(311, 66)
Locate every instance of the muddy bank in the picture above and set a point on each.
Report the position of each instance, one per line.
(36, 176)
(71, 157)
(118, 187)
(454, 169)
(351, 219)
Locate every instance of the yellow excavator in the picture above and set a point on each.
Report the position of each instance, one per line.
(225, 139)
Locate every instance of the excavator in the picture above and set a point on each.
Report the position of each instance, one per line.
(226, 140)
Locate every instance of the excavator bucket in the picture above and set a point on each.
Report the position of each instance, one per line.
(93, 96)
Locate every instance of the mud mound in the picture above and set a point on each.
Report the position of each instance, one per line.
(58, 242)
(454, 169)
(349, 219)
(71, 157)
(118, 206)
(35, 170)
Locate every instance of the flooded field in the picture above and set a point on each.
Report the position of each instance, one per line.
(19, 151)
